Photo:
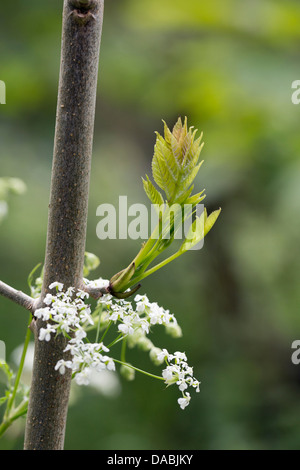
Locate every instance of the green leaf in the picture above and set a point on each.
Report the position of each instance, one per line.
(162, 170)
(211, 220)
(153, 194)
(3, 400)
(199, 229)
(196, 198)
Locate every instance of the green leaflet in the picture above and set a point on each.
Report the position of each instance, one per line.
(199, 229)
(210, 220)
(153, 194)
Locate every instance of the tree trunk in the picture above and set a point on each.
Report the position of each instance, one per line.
(68, 208)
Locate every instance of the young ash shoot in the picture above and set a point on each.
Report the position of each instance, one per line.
(175, 166)
(91, 333)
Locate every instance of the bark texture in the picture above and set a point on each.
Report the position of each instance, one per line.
(17, 296)
(68, 209)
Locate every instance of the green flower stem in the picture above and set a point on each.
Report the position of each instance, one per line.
(4, 426)
(19, 373)
(123, 350)
(11, 413)
(21, 410)
(99, 310)
(105, 332)
(139, 370)
(117, 340)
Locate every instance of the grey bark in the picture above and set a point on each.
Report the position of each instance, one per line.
(17, 296)
(68, 209)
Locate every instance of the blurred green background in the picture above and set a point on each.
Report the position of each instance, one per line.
(228, 66)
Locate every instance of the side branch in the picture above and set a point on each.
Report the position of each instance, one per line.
(17, 296)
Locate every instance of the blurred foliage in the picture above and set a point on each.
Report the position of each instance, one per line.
(228, 66)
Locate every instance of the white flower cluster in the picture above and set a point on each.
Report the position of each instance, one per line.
(178, 371)
(86, 357)
(136, 323)
(67, 313)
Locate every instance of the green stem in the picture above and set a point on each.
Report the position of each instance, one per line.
(155, 268)
(119, 338)
(149, 245)
(108, 327)
(152, 249)
(11, 413)
(20, 370)
(139, 370)
(4, 426)
(99, 321)
(123, 350)
(19, 411)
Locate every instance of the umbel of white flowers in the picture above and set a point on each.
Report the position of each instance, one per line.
(67, 313)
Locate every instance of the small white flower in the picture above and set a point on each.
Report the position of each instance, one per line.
(110, 365)
(80, 334)
(182, 385)
(45, 333)
(86, 317)
(43, 313)
(82, 378)
(168, 375)
(180, 356)
(183, 402)
(48, 299)
(126, 329)
(196, 384)
(71, 347)
(61, 366)
(141, 298)
(82, 294)
(104, 348)
(59, 286)
(162, 355)
(97, 283)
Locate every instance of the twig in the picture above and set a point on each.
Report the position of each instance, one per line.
(18, 297)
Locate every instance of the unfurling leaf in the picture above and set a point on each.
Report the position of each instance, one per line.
(175, 163)
(153, 194)
(199, 229)
(210, 220)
